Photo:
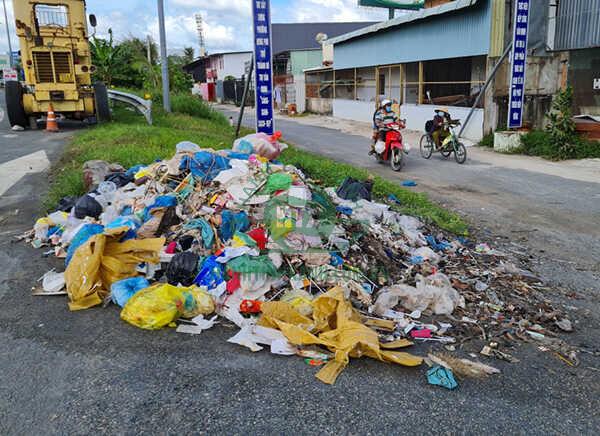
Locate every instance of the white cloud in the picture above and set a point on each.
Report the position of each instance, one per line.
(335, 10)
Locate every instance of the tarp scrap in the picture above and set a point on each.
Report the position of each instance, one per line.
(335, 325)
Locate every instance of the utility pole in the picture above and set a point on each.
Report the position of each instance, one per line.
(164, 62)
(149, 49)
(10, 56)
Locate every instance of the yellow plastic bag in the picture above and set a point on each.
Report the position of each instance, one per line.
(337, 326)
(160, 304)
(101, 261)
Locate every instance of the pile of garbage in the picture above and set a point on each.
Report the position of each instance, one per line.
(235, 236)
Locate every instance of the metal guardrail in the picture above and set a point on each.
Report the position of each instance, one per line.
(142, 105)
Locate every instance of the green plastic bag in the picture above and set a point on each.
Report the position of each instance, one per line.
(278, 182)
(253, 264)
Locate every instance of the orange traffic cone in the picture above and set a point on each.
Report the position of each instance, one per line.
(51, 124)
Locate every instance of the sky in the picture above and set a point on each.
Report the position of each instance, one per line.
(227, 23)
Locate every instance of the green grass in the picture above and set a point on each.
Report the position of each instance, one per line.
(129, 141)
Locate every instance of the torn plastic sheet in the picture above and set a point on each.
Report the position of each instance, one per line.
(197, 325)
(252, 335)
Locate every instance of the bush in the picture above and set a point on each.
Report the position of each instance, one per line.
(541, 143)
(192, 105)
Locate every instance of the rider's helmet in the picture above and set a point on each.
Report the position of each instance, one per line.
(385, 102)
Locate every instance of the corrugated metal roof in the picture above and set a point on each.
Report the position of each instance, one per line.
(405, 18)
(577, 24)
(301, 36)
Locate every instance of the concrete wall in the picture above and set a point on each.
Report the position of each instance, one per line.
(353, 110)
(300, 85)
(416, 115)
(233, 65)
(320, 105)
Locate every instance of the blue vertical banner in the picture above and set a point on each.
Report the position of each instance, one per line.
(263, 65)
(519, 65)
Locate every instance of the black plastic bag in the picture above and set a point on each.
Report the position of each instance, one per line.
(65, 204)
(353, 190)
(87, 206)
(183, 269)
(185, 242)
(119, 179)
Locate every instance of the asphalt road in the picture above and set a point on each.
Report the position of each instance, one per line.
(84, 372)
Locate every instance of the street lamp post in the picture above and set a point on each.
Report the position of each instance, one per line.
(164, 62)
(10, 60)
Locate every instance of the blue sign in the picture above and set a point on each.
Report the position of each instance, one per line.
(519, 65)
(263, 66)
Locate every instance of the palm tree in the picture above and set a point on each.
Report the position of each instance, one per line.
(188, 55)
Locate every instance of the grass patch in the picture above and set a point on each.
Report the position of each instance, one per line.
(130, 141)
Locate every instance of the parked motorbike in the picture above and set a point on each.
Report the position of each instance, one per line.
(393, 149)
(449, 145)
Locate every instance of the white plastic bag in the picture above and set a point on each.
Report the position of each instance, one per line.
(380, 147)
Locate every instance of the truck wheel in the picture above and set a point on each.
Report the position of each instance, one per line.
(14, 104)
(101, 98)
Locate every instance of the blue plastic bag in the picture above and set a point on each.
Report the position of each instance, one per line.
(438, 246)
(212, 273)
(82, 236)
(131, 222)
(204, 164)
(231, 223)
(208, 235)
(160, 201)
(123, 290)
(440, 376)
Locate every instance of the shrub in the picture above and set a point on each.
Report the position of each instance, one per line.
(192, 105)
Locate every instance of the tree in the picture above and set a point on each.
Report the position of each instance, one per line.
(106, 57)
(188, 55)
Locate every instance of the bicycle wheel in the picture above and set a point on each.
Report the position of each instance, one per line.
(426, 146)
(460, 152)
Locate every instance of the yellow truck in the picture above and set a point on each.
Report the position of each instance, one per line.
(57, 64)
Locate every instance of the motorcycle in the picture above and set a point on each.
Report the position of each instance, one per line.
(393, 148)
(449, 145)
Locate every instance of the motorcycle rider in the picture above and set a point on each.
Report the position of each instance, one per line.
(440, 130)
(381, 122)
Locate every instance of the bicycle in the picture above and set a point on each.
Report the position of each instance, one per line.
(450, 145)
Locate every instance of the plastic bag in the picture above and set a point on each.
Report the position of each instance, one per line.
(123, 290)
(187, 147)
(243, 145)
(253, 264)
(81, 237)
(101, 261)
(380, 147)
(353, 190)
(232, 223)
(434, 292)
(159, 305)
(204, 164)
(278, 182)
(211, 274)
(182, 269)
(65, 204)
(87, 206)
(119, 179)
